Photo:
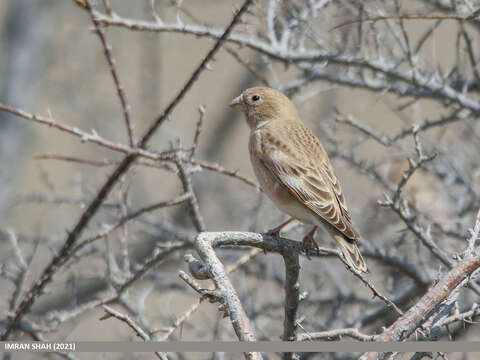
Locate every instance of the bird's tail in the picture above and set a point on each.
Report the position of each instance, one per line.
(351, 253)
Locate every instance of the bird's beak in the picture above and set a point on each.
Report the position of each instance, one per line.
(237, 101)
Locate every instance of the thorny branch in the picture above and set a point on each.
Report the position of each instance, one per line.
(134, 326)
(381, 55)
(93, 137)
(116, 79)
(204, 246)
(52, 268)
(289, 249)
(432, 301)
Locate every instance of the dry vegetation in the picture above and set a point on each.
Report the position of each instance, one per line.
(124, 172)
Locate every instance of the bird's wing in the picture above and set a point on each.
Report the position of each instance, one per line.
(313, 183)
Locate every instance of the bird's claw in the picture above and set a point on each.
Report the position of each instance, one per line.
(309, 243)
(275, 232)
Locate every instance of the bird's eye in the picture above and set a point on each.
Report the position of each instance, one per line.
(255, 98)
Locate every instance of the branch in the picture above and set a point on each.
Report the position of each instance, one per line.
(336, 334)
(204, 246)
(130, 216)
(406, 17)
(132, 324)
(111, 64)
(206, 242)
(292, 298)
(375, 292)
(423, 86)
(186, 180)
(386, 140)
(431, 301)
(94, 138)
(198, 129)
(90, 211)
(466, 316)
(84, 136)
(380, 312)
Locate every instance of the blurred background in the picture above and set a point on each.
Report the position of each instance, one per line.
(53, 64)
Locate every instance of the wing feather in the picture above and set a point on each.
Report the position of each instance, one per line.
(313, 184)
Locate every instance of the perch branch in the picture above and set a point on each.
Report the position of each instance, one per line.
(204, 246)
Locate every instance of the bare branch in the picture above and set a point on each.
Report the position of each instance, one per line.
(198, 129)
(430, 302)
(292, 297)
(336, 334)
(100, 31)
(85, 218)
(204, 246)
(134, 326)
(405, 17)
(192, 201)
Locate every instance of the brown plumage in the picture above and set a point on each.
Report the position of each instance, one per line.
(293, 168)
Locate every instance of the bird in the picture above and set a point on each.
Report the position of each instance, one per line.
(294, 171)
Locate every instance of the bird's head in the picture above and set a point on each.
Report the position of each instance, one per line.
(261, 105)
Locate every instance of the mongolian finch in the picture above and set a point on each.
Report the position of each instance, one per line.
(293, 169)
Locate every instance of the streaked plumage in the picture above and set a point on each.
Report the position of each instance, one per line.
(293, 168)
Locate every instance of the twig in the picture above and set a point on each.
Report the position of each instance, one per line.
(371, 286)
(292, 295)
(349, 120)
(429, 86)
(430, 302)
(132, 324)
(218, 168)
(194, 208)
(229, 269)
(180, 320)
(386, 140)
(159, 156)
(204, 246)
(154, 260)
(84, 136)
(41, 198)
(100, 31)
(211, 240)
(74, 159)
(22, 269)
(107, 6)
(248, 66)
(402, 209)
(466, 316)
(336, 334)
(198, 129)
(130, 216)
(292, 298)
(474, 234)
(85, 218)
(413, 166)
(403, 17)
(398, 264)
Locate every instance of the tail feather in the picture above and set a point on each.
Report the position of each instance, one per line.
(352, 254)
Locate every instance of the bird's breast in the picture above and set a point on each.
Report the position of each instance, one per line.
(280, 196)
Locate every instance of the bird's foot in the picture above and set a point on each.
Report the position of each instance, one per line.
(273, 232)
(276, 231)
(309, 244)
